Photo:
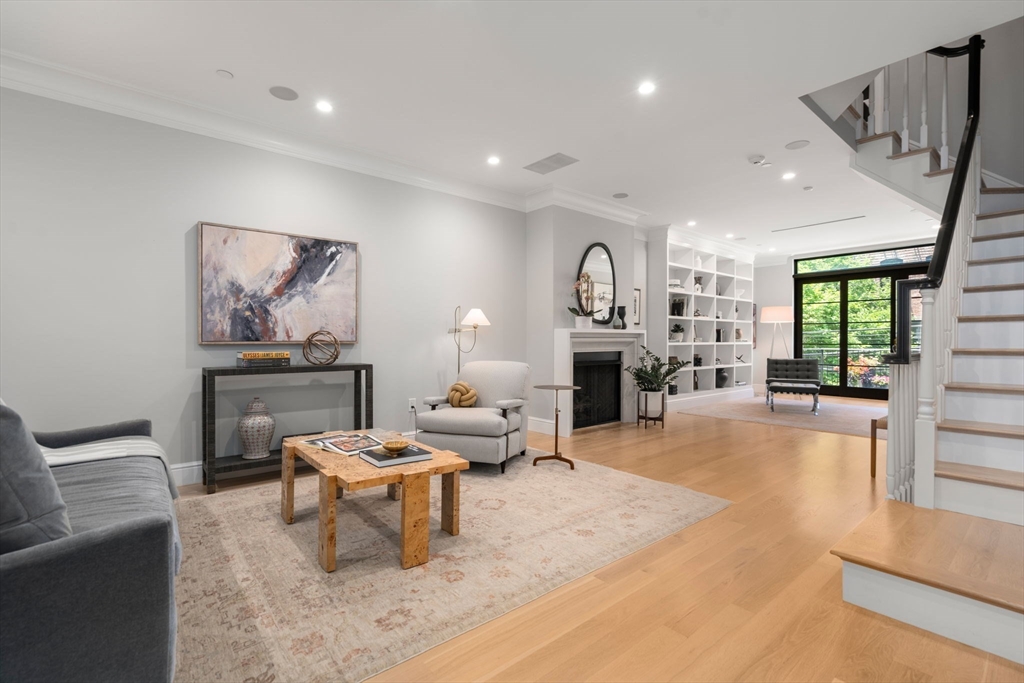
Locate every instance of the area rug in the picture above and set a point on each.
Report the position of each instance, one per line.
(841, 418)
(254, 605)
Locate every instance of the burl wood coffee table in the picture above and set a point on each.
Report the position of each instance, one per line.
(409, 483)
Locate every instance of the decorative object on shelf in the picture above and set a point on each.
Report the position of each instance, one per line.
(721, 378)
(739, 359)
(678, 308)
(673, 389)
(261, 287)
(321, 348)
(697, 360)
(696, 384)
(677, 333)
(698, 340)
(753, 336)
(698, 283)
(461, 395)
(637, 302)
(674, 282)
(736, 309)
(739, 334)
(718, 335)
(697, 313)
(583, 291)
(777, 315)
(599, 268)
(673, 359)
(739, 293)
(718, 361)
(718, 289)
(256, 430)
(620, 321)
(473, 321)
(697, 262)
(718, 315)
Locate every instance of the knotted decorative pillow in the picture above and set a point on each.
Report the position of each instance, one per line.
(461, 395)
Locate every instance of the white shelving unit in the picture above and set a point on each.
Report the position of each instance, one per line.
(707, 289)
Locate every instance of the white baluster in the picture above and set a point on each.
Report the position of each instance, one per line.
(944, 152)
(924, 428)
(871, 108)
(924, 104)
(905, 147)
(885, 100)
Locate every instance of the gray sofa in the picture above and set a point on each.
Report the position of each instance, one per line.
(96, 604)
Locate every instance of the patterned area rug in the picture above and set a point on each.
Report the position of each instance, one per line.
(254, 605)
(841, 418)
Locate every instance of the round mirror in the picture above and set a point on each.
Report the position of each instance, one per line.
(597, 261)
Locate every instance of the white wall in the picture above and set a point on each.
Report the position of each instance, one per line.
(639, 281)
(773, 286)
(98, 275)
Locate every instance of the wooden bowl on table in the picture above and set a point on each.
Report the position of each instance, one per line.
(395, 446)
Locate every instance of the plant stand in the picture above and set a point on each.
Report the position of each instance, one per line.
(646, 411)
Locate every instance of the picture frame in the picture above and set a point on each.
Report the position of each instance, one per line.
(637, 300)
(259, 287)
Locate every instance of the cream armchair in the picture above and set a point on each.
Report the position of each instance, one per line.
(495, 428)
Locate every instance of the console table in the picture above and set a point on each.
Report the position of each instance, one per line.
(212, 465)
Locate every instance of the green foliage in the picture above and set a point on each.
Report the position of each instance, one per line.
(652, 373)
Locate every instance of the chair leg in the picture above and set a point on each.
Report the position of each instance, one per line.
(503, 466)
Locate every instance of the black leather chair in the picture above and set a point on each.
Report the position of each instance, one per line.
(792, 376)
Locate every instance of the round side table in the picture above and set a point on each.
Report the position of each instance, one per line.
(557, 455)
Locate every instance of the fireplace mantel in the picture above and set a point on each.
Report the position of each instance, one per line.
(570, 341)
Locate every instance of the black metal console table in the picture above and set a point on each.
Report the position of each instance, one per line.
(212, 465)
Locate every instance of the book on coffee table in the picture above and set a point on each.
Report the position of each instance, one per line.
(381, 458)
(346, 444)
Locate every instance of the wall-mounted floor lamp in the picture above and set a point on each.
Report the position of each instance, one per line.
(777, 315)
(473, 320)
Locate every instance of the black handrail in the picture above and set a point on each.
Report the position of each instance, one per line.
(944, 240)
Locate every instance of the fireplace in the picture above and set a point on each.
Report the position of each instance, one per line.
(598, 374)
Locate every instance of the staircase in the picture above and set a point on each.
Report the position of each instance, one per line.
(946, 551)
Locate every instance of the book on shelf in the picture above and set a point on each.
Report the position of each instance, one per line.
(381, 458)
(263, 363)
(346, 444)
(261, 355)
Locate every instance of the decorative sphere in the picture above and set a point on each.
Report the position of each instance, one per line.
(321, 348)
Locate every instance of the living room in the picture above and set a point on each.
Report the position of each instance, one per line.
(227, 229)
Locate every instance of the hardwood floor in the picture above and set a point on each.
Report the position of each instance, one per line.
(750, 594)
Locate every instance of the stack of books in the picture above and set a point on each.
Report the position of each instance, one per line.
(263, 359)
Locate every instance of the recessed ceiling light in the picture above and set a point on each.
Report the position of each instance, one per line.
(324, 106)
(798, 144)
(788, 176)
(692, 223)
(771, 248)
(729, 236)
(619, 195)
(809, 188)
(646, 88)
(223, 73)
(283, 93)
(493, 161)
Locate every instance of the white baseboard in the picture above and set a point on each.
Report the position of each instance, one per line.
(975, 623)
(540, 425)
(705, 397)
(187, 473)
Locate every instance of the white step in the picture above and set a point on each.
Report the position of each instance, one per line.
(981, 406)
(985, 450)
(984, 247)
(1005, 300)
(980, 500)
(994, 223)
(988, 369)
(997, 199)
(1009, 271)
(995, 332)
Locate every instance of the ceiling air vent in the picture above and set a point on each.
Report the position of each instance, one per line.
(551, 163)
(814, 225)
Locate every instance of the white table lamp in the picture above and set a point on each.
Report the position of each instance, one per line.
(777, 315)
(473, 320)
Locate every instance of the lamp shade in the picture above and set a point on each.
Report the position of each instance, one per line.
(475, 317)
(777, 314)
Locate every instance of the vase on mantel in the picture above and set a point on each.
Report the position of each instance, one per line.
(584, 322)
(256, 430)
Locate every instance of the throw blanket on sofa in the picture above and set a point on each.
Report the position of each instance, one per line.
(108, 449)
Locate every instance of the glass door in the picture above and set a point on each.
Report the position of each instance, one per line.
(821, 334)
(869, 312)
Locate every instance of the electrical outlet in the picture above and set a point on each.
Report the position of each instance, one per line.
(412, 405)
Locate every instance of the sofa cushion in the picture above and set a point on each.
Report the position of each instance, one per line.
(470, 421)
(104, 492)
(31, 508)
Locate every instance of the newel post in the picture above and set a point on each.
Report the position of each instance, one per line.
(923, 491)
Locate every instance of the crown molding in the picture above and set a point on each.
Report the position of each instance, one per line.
(582, 202)
(37, 77)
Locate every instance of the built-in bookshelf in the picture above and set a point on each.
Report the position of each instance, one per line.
(706, 291)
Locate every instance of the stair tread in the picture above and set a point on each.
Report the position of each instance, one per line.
(1000, 214)
(995, 259)
(998, 236)
(915, 152)
(1002, 190)
(983, 428)
(971, 556)
(985, 388)
(988, 352)
(871, 138)
(942, 171)
(990, 476)
(995, 318)
(1012, 287)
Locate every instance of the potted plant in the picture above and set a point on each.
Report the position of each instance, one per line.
(583, 292)
(651, 376)
(676, 334)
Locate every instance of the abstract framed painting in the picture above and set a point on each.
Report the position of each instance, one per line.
(261, 287)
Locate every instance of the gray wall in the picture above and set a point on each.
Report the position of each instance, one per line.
(773, 286)
(98, 274)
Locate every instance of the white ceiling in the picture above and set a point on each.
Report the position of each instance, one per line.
(438, 87)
